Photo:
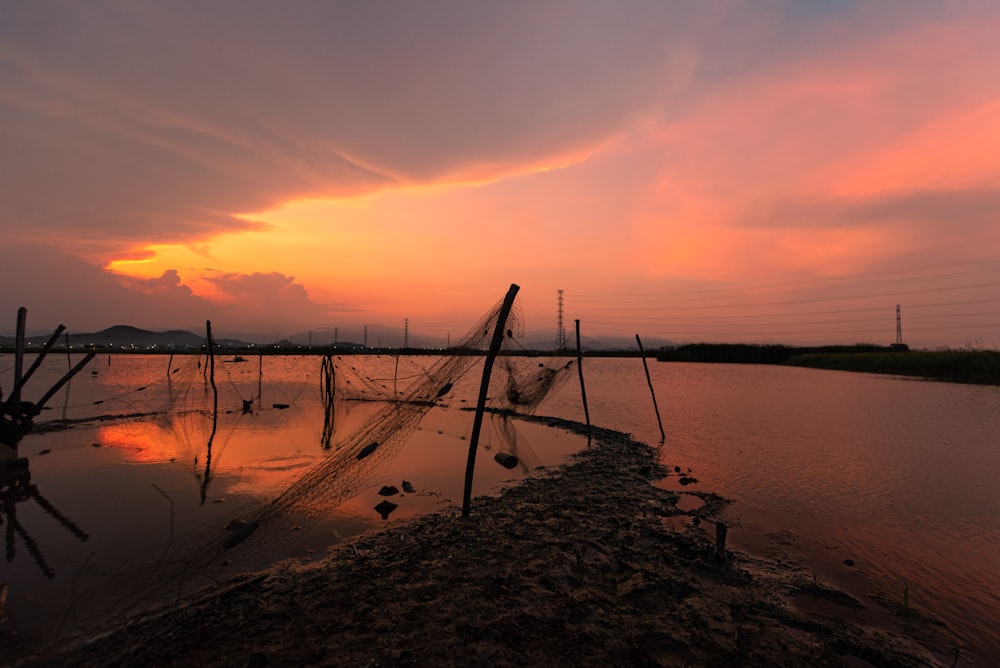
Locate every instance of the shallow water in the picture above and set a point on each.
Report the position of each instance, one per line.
(151, 496)
(898, 475)
(895, 474)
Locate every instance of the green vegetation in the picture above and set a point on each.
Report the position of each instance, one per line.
(966, 365)
(751, 353)
(957, 366)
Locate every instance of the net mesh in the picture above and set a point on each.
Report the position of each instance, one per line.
(259, 534)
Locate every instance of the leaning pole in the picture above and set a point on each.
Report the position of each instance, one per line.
(477, 424)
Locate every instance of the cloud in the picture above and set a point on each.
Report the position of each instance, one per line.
(459, 145)
(156, 123)
(85, 298)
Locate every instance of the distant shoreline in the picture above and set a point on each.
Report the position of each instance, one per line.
(964, 365)
(961, 365)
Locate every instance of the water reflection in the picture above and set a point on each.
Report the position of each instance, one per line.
(173, 491)
(15, 488)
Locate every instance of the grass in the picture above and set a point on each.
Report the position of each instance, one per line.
(952, 365)
(957, 365)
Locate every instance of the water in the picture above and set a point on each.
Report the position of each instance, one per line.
(137, 495)
(897, 475)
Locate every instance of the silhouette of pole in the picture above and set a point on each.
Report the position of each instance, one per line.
(65, 379)
(38, 360)
(649, 381)
(22, 316)
(583, 388)
(215, 412)
(484, 386)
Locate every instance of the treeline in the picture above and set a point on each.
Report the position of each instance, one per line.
(951, 365)
(966, 365)
(751, 353)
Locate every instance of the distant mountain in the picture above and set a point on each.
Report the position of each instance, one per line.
(118, 336)
(125, 335)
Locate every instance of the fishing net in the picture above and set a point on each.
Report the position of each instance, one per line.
(354, 461)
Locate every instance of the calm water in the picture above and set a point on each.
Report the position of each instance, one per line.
(898, 475)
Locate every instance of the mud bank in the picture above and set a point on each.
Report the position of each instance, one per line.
(589, 564)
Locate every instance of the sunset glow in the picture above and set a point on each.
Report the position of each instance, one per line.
(731, 157)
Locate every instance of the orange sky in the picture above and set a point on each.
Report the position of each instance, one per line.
(690, 171)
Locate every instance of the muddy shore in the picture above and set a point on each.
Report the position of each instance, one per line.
(587, 564)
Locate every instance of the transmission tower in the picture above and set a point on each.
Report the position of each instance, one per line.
(560, 329)
(899, 327)
(406, 332)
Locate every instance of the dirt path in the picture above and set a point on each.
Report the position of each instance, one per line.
(587, 565)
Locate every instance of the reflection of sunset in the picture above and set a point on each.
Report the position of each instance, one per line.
(140, 443)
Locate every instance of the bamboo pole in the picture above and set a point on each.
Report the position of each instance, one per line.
(69, 360)
(484, 386)
(721, 530)
(65, 379)
(583, 387)
(22, 316)
(38, 360)
(215, 411)
(211, 367)
(649, 381)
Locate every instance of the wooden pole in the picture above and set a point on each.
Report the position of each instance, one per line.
(69, 360)
(65, 379)
(649, 381)
(720, 540)
(170, 364)
(38, 360)
(22, 316)
(215, 411)
(583, 388)
(484, 386)
(211, 367)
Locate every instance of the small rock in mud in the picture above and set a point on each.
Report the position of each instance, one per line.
(388, 490)
(384, 508)
(505, 460)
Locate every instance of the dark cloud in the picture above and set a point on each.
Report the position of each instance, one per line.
(58, 288)
(158, 121)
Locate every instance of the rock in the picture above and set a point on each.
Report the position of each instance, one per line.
(367, 450)
(388, 490)
(408, 488)
(241, 530)
(384, 508)
(506, 460)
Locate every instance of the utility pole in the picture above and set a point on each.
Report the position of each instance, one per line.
(366, 337)
(560, 329)
(899, 326)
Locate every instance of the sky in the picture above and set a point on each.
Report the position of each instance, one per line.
(770, 171)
